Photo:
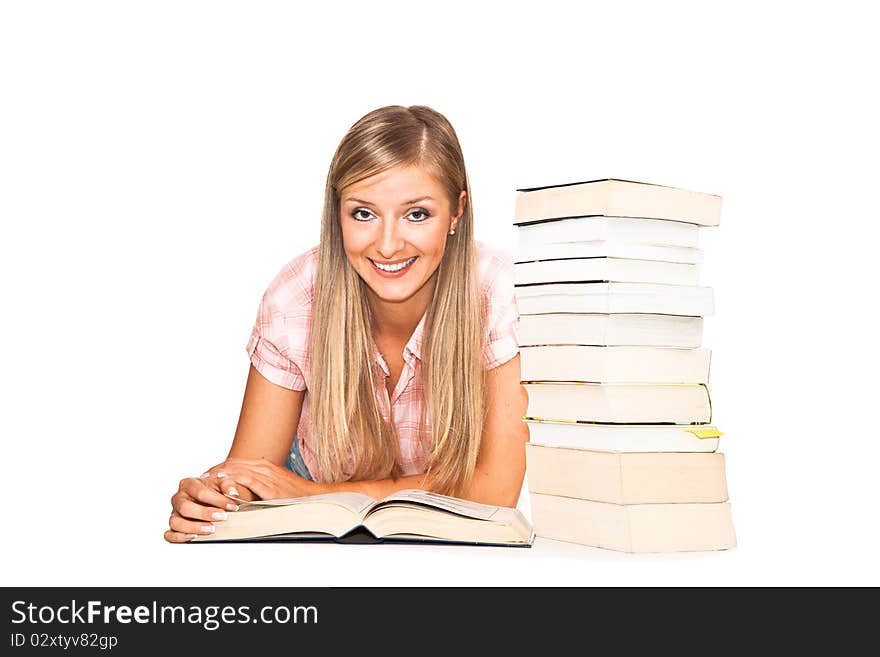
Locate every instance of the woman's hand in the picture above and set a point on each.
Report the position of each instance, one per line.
(197, 504)
(263, 477)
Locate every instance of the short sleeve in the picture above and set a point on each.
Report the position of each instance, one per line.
(502, 315)
(278, 344)
(268, 360)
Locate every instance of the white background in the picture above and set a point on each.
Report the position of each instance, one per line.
(159, 162)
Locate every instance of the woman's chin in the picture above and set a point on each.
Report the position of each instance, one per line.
(393, 290)
(387, 295)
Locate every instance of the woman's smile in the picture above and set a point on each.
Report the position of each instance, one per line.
(393, 269)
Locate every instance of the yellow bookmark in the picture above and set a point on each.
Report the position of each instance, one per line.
(705, 433)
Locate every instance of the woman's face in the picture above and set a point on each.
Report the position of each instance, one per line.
(397, 220)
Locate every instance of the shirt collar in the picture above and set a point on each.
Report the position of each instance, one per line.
(414, 344)
(413, 348)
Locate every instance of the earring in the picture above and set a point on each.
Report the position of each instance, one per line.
(452, 232)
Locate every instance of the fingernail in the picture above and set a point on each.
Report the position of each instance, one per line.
(204, 475)
(190, 537)
(208, 529)
(232, 507)
(220, 475)
(219, 515)
(232, 491)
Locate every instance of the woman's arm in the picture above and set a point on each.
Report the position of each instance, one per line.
(501, 464)
(268, 420)
(266, 426)
(498, 476)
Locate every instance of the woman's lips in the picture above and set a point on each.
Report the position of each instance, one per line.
(394, 274)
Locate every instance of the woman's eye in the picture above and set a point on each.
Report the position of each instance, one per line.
(362, 214)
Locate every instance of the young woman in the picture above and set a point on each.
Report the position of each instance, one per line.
(386, 357)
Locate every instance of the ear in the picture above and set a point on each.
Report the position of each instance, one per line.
(462, 199)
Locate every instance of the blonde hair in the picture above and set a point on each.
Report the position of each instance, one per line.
(350, 430)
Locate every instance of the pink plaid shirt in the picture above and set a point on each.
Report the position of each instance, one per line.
(279, 347)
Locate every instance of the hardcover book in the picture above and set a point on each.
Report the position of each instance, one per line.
(609, 329)
(615, 197)
(614, 364)
(624, 437)
(613, 229)
(529, 251)
(615, 298)
(635, 478)
(626, 270)
(634, 527)
(619, 403)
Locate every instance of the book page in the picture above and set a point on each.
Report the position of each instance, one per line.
(452, 504)
(356, 502)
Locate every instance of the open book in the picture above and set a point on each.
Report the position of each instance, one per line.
(408, 515)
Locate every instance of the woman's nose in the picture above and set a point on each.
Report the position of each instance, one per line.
(390, 241)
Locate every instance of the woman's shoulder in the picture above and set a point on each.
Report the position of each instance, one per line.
(293, 287)
(494, 266)
(501, 342)
(278, 346)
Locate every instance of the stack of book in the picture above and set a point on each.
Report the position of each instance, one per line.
(621, 454)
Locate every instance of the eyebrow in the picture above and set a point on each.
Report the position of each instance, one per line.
(415, 200)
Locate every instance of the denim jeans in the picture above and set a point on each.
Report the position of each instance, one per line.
(295, 462)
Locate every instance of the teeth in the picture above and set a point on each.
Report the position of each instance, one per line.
(393, 268)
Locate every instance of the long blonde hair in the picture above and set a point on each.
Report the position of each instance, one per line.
(350, 430)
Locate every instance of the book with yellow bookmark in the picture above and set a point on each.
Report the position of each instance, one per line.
(625, 437)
